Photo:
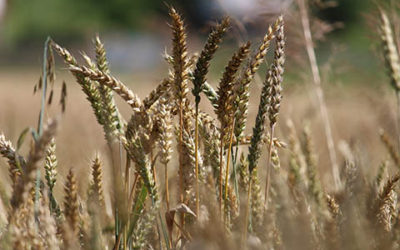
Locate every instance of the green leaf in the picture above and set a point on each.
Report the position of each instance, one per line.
(139, 204)
(21, 137)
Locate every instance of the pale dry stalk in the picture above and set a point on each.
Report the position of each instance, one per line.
(319, 92)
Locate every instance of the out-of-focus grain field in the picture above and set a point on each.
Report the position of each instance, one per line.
(357, 112)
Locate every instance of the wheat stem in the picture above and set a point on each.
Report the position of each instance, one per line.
(319, 92)
(221, 155)
(228, 160)
(166, 187)
(247, 215)
(196, 146)
(268, 184)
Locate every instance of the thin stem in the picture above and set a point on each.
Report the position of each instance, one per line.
(166, 186)
(246, 221)
(44, 86)
(228, 161)
(318, 89)
(125, 237)
(40, 123)
(180, 159)
(196, 148)
(268, 184)
(117, 242)
(234, 160)
(221, 152)
(398, 117)
(127, 175)
(153, 168)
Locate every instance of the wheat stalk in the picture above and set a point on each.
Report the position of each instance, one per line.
(318, 89)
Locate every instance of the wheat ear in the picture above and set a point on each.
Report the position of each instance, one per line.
(111, 82)
(179, 86)
(71, 211)
(274, 96)
(96, 189)
(243, 84)
(109, 107)
(7, 151)
(391, 55)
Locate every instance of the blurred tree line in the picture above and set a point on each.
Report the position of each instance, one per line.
(32, 20)
(27, 20)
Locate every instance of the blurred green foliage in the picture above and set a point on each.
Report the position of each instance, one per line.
(29, 20)
(346, 11)
(33, 20)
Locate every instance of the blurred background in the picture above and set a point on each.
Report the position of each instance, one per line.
(136, 35)
(134, 29)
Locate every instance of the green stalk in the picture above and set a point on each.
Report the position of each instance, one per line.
(40, 123)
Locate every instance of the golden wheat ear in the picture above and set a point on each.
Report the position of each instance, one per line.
(179, 88)
(390, 52)
(387, 203)
(71, 206)
(161, 90)
(179, 56)
(7, 150)
(109, 107)
(111, 82)
(226, 94)
(50, 175)
(206, 55)
(243, 84)
(390, 147)
(96, 188)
